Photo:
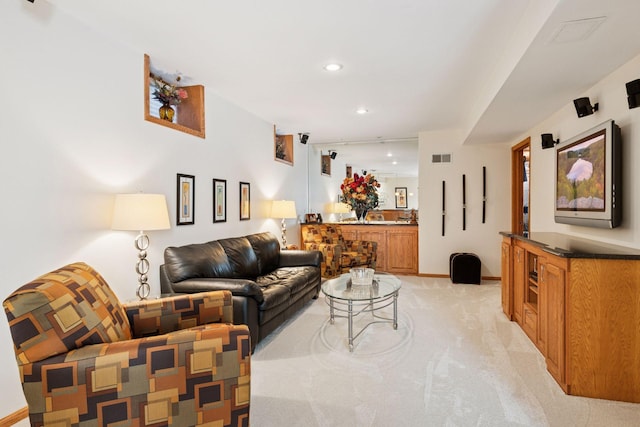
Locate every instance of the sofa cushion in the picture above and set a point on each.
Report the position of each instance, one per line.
(198, 260)
(267, 249)
(242, 258)
(64, 310)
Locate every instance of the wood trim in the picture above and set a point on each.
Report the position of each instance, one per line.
(14, 417)
(516, 188)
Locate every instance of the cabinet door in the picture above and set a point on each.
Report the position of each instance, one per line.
(402, 252)
(543, 305)
(379, 237)
(519, 282)
(507, 284)
(554, 279)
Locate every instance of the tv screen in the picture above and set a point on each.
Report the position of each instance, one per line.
(588, 178)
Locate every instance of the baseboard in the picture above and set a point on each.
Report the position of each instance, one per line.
(13, 418)
(446, 276)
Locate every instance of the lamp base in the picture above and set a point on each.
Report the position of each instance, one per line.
(142, 266)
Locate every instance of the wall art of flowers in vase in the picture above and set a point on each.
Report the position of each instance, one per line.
(361, 193)
(168, 95)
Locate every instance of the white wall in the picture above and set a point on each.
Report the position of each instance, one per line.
(72, 128)
(610, 93)
(479, 238)
(388, 187)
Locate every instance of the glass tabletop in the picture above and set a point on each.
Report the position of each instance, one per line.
(383, 286)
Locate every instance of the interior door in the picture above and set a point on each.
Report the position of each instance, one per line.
(520, 185)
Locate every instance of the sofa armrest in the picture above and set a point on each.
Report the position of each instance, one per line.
(160, 316)
(166, 376)
(296, 258)
(238, 287)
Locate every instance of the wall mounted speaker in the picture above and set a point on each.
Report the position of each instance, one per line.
(304, 137)
(633, 93)
(333, 154)
(547, 140)
(583, 107)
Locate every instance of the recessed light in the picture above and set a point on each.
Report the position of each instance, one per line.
(333, 67)
(362, 111)
(389, 155)
(394, 162)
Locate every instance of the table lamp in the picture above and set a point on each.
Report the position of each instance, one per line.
(283, 209)
(341, 208)
(141, 212)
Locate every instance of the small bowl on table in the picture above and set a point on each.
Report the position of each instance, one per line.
(361, 276)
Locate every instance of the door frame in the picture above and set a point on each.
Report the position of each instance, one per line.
(517, 174)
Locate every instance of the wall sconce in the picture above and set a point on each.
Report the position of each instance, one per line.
(633, 93)
(138, 212)
(583, 107)
(283, 209)
(304, 137)
(333, 154)
(547, 140)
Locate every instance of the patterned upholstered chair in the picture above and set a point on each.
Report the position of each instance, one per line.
(338, 255)
(86, 360)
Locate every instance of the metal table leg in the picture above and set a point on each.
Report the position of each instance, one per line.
(350, 317)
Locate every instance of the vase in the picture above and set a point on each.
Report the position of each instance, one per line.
(166, 112)
(361, 213)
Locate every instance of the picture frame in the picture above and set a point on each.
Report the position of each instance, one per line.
(245, 201)
(283, 148)
(401, 197)
(325, 164)
(219, 200)
(311, 218)
(185, 202)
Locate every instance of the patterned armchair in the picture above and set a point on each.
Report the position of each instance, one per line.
(338, 255)
(86, 360)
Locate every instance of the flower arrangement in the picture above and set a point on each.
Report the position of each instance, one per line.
(168, 94)
(360, 192)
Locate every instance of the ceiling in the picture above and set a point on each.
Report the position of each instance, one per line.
(490, 68)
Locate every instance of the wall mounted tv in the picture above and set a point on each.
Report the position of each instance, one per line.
(588, 178)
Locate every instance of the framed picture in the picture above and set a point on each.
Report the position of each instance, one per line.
(185, 199)
(245, 201)
(325, 164)
(401, 197)
(219, 200)
(284, 149)
(311, 218)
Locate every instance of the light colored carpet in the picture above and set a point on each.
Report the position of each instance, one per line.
(455, 360)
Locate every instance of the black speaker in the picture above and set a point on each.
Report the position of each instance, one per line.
(304, 138)
(633, 93)
(583, 107)
(547, 140)
(333, 154)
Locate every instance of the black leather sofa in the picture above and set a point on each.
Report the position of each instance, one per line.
(268, 285)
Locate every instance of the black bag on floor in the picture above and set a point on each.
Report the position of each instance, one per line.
(465, 268)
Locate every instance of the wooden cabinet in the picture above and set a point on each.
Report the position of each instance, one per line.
(581, 310)
(507, 287)
(402, 252)
(553, 279)
(397, 251)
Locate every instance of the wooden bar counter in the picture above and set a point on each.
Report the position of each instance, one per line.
(397, 251)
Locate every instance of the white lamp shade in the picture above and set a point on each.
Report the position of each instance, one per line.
(140, 212)
(283, 209)
(341, 208)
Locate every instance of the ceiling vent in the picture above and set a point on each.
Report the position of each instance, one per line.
(575, 31)
(441, 158)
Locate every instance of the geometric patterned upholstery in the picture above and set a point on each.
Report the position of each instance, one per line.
(339, 255)
(181, 370)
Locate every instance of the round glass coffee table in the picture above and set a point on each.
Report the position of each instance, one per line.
(351, 301)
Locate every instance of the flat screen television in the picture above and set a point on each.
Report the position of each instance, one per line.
(588, 178)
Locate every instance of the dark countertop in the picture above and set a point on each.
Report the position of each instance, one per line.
(566, 246)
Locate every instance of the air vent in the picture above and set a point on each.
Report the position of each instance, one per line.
(441, 158)
(578, 30)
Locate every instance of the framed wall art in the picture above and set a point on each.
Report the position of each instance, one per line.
(185, 199)
(401, 197)
(284, 148)
(245, 201)
(219, 200)
(325, 164)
